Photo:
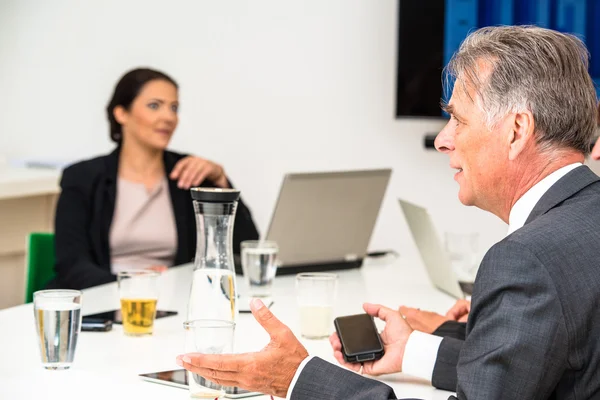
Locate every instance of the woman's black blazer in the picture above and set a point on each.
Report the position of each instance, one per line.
(84, 215)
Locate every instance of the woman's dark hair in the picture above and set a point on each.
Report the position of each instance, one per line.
(127, 89)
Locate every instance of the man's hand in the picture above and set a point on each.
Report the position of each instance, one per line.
(428, 322)
(268, 371)
(394, 338)
(424, 321)
(192, 171)
(459, 311)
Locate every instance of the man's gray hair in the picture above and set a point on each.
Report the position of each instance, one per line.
(534, 69)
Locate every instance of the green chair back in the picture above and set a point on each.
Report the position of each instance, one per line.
(40, 262)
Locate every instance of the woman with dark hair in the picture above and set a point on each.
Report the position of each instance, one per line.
(132, 208)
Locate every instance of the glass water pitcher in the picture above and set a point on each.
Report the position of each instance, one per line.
(213, 294)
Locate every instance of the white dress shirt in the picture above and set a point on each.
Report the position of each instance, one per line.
(421, 348)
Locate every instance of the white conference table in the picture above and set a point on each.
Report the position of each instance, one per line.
(107, 364)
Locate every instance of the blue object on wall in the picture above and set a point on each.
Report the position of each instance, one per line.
(592, 38)
(533, 12)
(571, 17)
(495, 12)
(579, 17)
(460, 19)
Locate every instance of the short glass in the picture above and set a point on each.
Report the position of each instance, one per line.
(259, 263)
(58, 323)
(138, 291)
(316, 294)
(207, 336)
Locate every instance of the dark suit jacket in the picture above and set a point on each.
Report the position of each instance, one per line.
(453, 329)
(84, 215)
(534, 323)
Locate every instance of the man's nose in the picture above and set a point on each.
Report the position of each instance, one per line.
(444, 141)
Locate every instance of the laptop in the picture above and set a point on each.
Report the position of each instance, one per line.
(324, 221)
(435, 258)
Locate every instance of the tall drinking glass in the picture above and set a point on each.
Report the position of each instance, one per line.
(207, 336)
(138, 291)
(58, 323)
(259, 263)
(316, 294)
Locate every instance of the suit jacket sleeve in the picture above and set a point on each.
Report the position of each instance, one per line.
(74, 263)
(444, 370)
(517, 344)
(322, 380)
(453, 329)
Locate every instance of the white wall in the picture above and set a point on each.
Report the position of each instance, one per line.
(267, 87)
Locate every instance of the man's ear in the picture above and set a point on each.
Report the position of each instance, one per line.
(120, 114)
(521, 134)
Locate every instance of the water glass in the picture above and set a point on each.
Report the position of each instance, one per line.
(259, 263)
(462, 249)
(138, 291)
(58, 323)
(316, 294)
(207, 336)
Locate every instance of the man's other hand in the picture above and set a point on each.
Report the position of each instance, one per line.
(268, 371)
(394, 338)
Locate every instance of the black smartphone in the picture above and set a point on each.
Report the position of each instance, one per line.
(359, 337)
(96, 324)
(115, 315)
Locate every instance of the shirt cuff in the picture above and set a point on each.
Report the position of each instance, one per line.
(297, 375)
(420, 354)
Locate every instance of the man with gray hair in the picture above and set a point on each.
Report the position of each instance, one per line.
(522, 117)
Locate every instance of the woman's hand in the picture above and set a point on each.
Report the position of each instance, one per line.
(191, 171)
(158, 268)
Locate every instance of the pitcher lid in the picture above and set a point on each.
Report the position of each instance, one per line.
(215, 195)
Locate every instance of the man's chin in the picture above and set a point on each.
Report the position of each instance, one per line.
(465, 199)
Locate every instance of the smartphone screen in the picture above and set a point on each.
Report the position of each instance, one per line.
(115, 315)
(358, 335)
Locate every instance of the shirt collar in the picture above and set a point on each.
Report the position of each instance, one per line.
(523, 207)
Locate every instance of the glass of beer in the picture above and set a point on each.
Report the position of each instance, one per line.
(138, 291)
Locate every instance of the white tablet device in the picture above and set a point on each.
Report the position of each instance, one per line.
(179, 378)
